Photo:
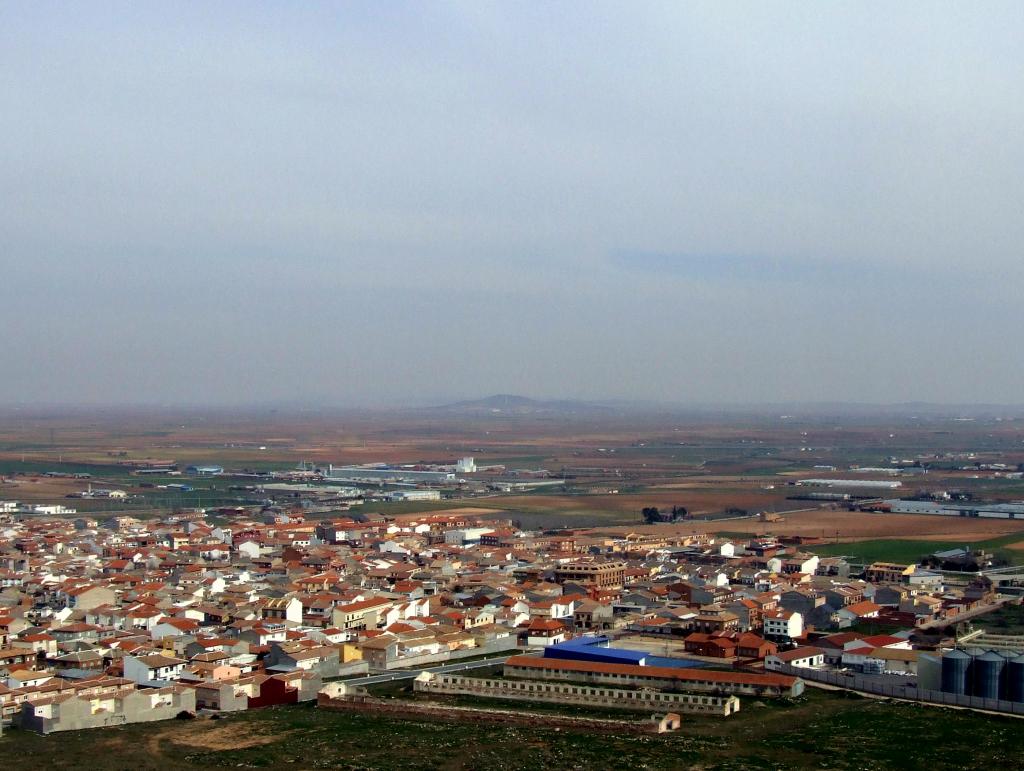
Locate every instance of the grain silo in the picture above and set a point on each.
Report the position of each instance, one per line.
(986, 675)
(955, 672)
(1015, 679)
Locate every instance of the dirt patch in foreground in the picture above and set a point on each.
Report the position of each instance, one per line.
(225, 737)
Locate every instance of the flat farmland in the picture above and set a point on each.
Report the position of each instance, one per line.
(698, 500)
(857, 526)
(707, 463)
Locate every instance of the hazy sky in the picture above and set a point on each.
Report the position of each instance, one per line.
(354, 203)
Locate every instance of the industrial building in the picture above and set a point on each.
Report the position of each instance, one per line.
(309, 489)
(630, 675)
(594, 649)
(589, 696)
(415, 495)
(875, 484)
(204, 471)
(959, 509)
(381, 473)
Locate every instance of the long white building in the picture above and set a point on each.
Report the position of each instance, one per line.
(387, 474)
(959, 509)
(878, 484)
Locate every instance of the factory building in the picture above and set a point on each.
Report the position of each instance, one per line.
(594, 649)
(629, 675)
(961, 509)
(872, 484)
(415, 495)
(381, 474)
(204, 471)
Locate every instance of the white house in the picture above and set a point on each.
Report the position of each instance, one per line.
(783, 625)
(557, 608)
(545, 631)
(173, 627)
(249, 549)
(805, 657)
(155, 668)
(285, 609)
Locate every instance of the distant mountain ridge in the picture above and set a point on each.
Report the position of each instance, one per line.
(516, 405)
(512, 404)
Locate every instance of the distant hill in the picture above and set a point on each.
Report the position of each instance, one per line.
(511, 404)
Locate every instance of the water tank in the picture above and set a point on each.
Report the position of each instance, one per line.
(1015, 679)
(955, 666)
(985, 675)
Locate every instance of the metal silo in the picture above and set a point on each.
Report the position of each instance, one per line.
(985, 675)
(1015, 679)
(929, 672)
(955, 666)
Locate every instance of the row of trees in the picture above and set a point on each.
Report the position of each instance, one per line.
(652, 515)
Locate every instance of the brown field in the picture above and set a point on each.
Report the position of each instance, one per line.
(630, 505)
(460, 511)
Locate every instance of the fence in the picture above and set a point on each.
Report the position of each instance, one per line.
(855, 682)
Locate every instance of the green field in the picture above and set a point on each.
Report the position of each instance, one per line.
(1008, 619)
(824, 730)
(909, 551)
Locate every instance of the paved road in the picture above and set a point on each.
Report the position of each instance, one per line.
(974, 613)
(409, 674)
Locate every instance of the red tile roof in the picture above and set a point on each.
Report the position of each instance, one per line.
(666, 673)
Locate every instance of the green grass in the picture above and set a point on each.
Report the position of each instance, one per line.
(823, 730)
(1008, 619)
(908, 551)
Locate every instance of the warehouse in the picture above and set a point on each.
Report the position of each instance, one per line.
(664, 678)
(386, 474)
(962, 509)
(594, 649)
(874, 484)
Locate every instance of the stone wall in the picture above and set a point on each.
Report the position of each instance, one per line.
(644, 680)
(591, 696)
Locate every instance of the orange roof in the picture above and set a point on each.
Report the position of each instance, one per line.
(666, 673)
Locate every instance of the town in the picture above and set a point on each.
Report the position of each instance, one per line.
(111, 621)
